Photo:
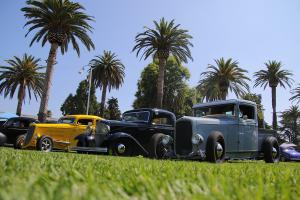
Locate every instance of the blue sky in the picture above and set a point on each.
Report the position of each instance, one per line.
(251, 32)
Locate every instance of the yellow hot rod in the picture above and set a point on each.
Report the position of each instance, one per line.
(61, 135)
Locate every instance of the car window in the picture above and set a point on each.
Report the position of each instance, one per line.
(162, 119)
(142, 116)
(217, 110)
(247, 112)
(66, 120)
(84, 121)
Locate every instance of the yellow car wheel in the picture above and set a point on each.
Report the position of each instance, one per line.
(45, 144)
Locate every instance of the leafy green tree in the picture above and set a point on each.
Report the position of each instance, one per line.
(290, 120)
(108, 73)
(217, 81)
(22, 74)
(260, 109)
(76, 104)
(296, 95)
(162, 41)
(58, 22)
(112, 111)
(178, 97)
(272, 77)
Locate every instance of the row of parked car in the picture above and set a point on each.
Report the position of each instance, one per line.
(217, 131)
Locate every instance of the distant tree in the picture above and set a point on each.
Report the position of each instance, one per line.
(59, 22)
(160, 42)
(272, 77)
(178, 97)
(296, 95)
(217, 81)
(290, 120)
(22, 74)
(108, 74)
(260, 109)
(76, 104)
(112, 111)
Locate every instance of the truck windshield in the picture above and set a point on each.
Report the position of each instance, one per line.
(215, 111)
(142, 116)
(65, 120)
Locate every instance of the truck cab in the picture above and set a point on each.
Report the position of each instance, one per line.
(220, 130)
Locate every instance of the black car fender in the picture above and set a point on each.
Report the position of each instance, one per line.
(115, 136)
(3, 139)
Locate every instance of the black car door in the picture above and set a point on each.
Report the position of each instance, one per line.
(14, 128)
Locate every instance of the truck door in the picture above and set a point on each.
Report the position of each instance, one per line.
(248, 128)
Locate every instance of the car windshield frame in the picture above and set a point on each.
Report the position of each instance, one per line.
(72, 120)
(134, 113)
(209, 110)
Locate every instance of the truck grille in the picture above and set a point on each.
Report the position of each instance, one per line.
(183, 138)
(29, 135)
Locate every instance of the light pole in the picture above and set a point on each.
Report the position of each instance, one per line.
(90, 83)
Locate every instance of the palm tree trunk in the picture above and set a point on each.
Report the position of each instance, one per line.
(20, 99)
(274, 123)
(47, 83)
(103, 97)
(160, 82)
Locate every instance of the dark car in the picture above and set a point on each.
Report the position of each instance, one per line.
(146, 132)
(14, 129)
(288, 152)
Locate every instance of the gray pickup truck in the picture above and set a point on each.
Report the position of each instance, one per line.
(226, 129)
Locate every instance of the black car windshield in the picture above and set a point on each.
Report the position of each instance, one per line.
(142, 116)
(66, 120)
(215, 111)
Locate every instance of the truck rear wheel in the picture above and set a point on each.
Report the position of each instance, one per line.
(215, 148)
(271, 150)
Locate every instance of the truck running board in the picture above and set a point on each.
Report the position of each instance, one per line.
(90, 149)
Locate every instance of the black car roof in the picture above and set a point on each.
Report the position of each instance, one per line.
(24, 118)
(151, 110)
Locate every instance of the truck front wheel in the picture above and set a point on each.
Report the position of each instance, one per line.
(215, 148)
(271, 150)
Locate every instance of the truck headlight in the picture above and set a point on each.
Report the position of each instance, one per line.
(167, 140)
(197, 139)
(102, 128)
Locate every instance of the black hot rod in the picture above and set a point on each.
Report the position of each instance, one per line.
(145, 131)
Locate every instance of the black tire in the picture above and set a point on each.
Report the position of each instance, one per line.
(19, 142)
(271, 150)
(116, 148)
(213, 152)
(157, 149)
(2, 139)
(45, 144)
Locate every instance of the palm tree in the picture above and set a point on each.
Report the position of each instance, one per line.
(58, 22)
(290, 119)
(108, 73)
(296, 95)
(216, 82)
(165, 39)
(273, 77)
(22, 74)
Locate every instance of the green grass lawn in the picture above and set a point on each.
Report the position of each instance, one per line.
(37, 175)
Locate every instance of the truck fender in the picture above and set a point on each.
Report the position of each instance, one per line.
(116, 136)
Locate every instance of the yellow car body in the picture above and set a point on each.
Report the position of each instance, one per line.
(61, 135)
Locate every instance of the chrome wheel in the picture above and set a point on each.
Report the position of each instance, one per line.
(121, 148)
(274, 152)
(219, 150)
(46, 145)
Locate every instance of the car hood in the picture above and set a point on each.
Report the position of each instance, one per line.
(115, 123)
(52, 125)
(209, 120)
